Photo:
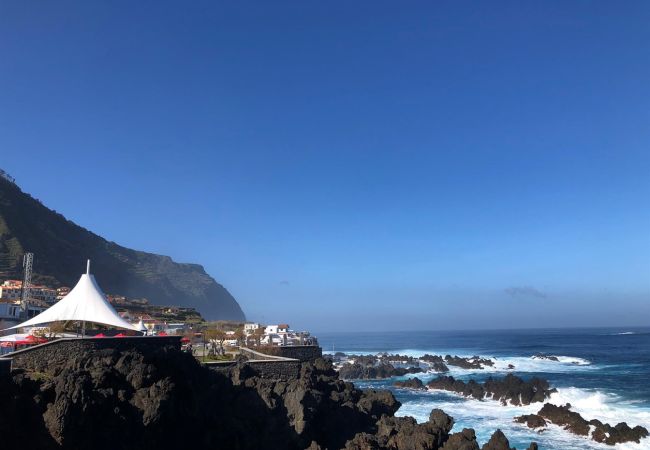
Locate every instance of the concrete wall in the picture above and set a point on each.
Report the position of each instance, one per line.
(44, 357)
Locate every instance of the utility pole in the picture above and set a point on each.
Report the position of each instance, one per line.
(28, 260)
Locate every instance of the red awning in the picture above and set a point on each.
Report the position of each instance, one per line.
(162, 333)
(120, 335)
(185, 339)
(100, 335)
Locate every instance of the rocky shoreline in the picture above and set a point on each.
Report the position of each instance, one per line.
(510, 389)
(576, 424)
(384, 365)
(164, 399)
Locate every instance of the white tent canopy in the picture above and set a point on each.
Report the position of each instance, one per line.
(86, 302)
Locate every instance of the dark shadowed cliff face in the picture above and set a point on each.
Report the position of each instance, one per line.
(62, 247)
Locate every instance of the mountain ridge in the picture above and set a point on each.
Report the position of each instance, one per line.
(61, 248)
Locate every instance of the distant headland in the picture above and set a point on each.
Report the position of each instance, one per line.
(61, 248)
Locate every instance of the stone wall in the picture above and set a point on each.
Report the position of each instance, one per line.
(5, 366)
(276, 369)
(269, 368)
(299, 352)
(44, 357)
(266, 366)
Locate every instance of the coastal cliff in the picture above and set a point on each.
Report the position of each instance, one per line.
(61, 248)
(162, 398)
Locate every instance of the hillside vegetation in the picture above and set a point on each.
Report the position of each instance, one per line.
(62, 247)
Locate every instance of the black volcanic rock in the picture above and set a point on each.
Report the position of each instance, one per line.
(547, 357)
(498, 441)
(563, 416)
(475, 362)
(404, 433)
(397, 358)
(518, 391)
(509, 389)
(436, 362)
(357, 371)
(449, 383)
(61, 249)
(618, 434)
(575, 423)
(163, 399)
(465, 440)
(531, 420)
(411, 383)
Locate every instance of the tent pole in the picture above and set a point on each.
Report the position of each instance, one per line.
(83, 329)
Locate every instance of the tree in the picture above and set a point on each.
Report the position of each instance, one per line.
(216, 335)
(258, 334)
(240, 336)
(56, 329)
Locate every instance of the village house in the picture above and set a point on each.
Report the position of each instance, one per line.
(9, 310)
(250, 327)
(117, 299)
(62, 292)
(44, 294)
(11, 290)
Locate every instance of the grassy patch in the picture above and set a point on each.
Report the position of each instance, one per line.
(39, 376)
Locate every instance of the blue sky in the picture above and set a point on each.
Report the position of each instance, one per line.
(351, 165)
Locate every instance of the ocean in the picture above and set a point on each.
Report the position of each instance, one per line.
(604, 373)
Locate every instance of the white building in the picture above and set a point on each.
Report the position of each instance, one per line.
(13, 311)
(249, 328)
(11, 290)
(276, 329)
(9, 310)
(176, 328)
(43, 293)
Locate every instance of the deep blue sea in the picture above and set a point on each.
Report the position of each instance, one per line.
(604, 373)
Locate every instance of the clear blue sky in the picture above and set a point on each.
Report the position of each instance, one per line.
(351, 165)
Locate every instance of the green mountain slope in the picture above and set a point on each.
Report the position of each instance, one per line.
(61, 248)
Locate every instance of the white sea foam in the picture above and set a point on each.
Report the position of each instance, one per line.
(606, 407)
(486, 416)
(501, 364)
(573, 360)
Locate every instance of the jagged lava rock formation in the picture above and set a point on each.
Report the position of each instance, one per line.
(164, 399)
(576, 424)
(61, 248)
(509, 389)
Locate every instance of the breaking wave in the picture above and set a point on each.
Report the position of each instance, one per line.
(486, 416)
(501, 364)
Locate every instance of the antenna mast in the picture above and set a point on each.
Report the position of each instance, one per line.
(28, 260)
